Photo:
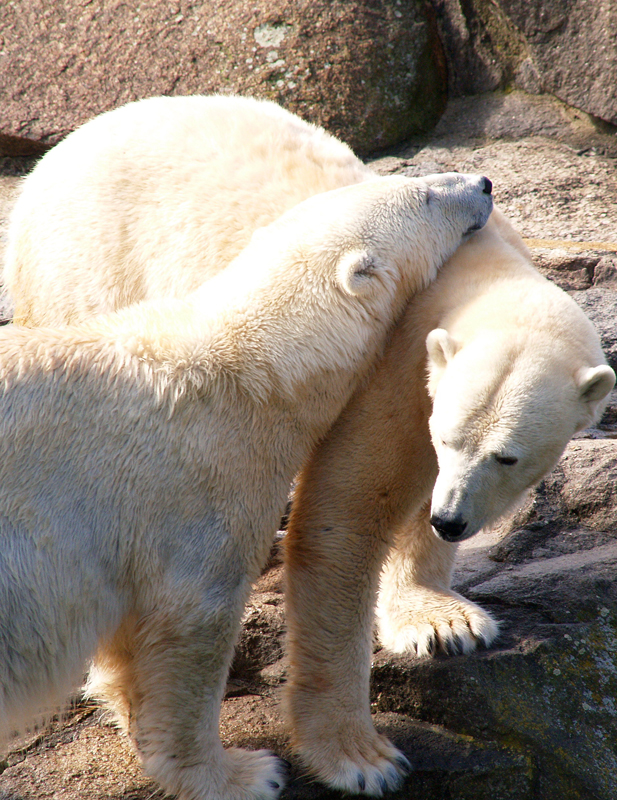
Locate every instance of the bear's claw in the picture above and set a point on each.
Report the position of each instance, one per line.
(403, 764)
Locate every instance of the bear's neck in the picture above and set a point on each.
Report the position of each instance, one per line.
(287, 334)
(300, 351)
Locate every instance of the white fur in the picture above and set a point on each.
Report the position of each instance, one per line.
(153, 198)
(146, 457)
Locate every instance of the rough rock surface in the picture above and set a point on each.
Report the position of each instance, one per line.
(534, 717)
(565, 47)
(370, 71)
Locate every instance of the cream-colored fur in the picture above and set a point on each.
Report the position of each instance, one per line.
(369, 484)
(163, 193)
(146, 457)
(153, 198)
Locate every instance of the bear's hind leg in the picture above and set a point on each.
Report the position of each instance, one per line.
(417, 612)
(180, 661)
(52, 618)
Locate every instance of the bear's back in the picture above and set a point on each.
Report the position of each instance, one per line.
(122, 209)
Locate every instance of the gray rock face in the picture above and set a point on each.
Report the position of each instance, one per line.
(573, 48)
(546, 691)
(600, 305)
(565, 47)
(371, 72)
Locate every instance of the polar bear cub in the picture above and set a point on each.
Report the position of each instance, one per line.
(146, 457)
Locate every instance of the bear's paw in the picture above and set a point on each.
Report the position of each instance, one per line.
(354, 759)
(235, 774)
(425, 621)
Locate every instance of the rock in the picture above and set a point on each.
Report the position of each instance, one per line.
(600, 305)
(605, 273)
(574, 266)
(553, 172)
(475, 63)
(261, 643)
(546, 691)
(564, 47)
(370, 71)
(571, 272)
(65, 751)
(572, 46)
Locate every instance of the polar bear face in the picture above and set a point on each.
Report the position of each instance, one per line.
(504, 408)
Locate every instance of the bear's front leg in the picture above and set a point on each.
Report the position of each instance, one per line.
(374, 467)
(332, 578)
(175, 674)
(417, 612)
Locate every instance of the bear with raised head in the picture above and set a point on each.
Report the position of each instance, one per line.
(146, 456)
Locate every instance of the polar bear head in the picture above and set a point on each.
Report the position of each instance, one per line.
(393, 230)
(368, 247)
(505, 405)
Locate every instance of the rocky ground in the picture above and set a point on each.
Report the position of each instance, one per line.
(535, 716)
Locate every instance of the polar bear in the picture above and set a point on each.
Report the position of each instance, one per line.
(514, 369)
(146, 457)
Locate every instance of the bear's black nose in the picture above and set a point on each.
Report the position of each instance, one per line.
(450, 530)
(488, 186)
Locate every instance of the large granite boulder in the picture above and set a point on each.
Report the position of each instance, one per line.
(370, 71)
(565, 47)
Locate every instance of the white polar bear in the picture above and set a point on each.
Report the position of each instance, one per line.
(514, 369)
(146, 455)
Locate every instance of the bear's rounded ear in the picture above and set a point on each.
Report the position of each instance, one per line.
(441, 347)
(594, 384)
(356, 271)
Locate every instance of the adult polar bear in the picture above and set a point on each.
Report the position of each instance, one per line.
(370, 479)
(146, 456)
